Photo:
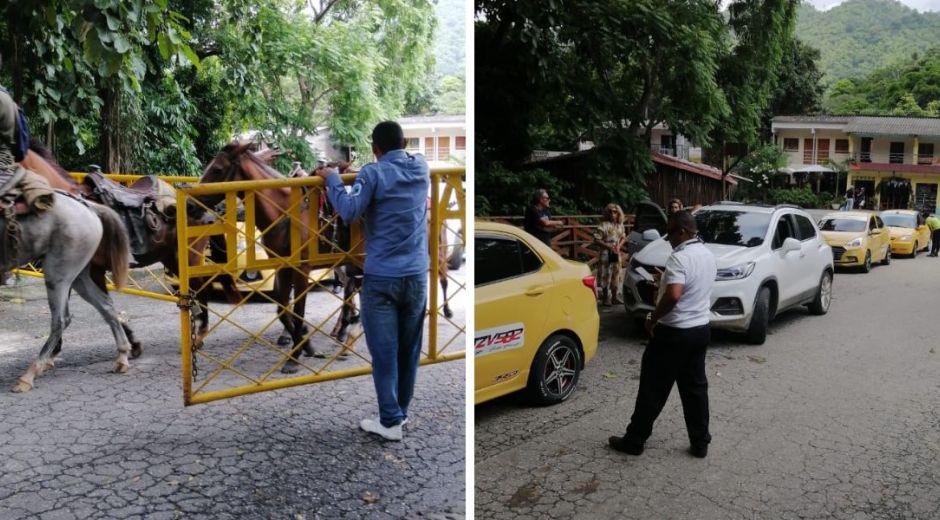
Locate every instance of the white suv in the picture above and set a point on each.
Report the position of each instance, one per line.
(769, 259)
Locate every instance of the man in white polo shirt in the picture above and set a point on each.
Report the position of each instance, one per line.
(679, 334)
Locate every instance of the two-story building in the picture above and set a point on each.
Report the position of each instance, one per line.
(442, 139)
(894, 158)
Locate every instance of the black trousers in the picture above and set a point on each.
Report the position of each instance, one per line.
(673, 356)
(934, 241)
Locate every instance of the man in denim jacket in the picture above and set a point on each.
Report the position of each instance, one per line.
(390, 196)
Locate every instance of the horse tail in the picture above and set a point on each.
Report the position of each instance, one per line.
(116, 241)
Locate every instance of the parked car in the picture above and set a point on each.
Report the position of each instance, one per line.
(769, 258)
(649, 224)
(909, 231)
(858, 238)
(536, 316)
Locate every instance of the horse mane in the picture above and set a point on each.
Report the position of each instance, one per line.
(42, 151)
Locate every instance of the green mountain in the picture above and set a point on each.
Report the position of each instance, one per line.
(449, 39)
(859, 36)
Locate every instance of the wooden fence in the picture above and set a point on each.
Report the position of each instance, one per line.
(575, 239)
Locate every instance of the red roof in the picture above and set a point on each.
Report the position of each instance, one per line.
(692, 167)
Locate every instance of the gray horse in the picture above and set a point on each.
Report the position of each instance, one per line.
(77, 241)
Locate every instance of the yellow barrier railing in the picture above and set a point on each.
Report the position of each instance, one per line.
(237, 348)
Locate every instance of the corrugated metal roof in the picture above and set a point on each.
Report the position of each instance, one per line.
(893, 125)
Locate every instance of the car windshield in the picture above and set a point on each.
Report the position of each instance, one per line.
(897, 220)
(733, 228)
(842, 224)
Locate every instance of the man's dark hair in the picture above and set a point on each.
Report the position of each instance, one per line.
(685, 220)
(388, 136)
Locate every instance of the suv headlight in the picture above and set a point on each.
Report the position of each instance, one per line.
(735, 273)
(905, 238)
(854, 243)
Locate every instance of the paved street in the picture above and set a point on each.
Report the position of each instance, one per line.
(86, 443)
(835, 416)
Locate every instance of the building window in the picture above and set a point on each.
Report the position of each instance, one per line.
(413, 144)
(429, 148)
(896, 155)
(443, 148)
(925, 153)
(460, 142)
(818, 156)
(842, 146)
(791, 144)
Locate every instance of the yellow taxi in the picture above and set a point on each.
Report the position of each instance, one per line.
(536, 319)
(858, 238)
(909, 231)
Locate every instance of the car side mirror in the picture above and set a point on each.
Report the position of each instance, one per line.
(650, 234)
(791, 244)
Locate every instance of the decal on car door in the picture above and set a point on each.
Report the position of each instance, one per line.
(499, 339)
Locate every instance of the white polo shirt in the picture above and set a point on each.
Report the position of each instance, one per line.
(692, 265)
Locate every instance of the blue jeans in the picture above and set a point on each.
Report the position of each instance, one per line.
(393, 311)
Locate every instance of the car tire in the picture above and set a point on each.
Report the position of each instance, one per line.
(887, 259)
(820, 304)
(866, 267)
(555, 370)
(915, 250)
(756, 332)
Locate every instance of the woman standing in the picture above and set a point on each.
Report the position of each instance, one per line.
(610, 237)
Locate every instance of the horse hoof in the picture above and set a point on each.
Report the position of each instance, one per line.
(284, 341)
(21, 387)
(136, 350)
(121, 368)
(448, 313)
(290, 368)
(319, 355)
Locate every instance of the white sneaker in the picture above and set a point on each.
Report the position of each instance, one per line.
(404, 421)
(373, 425)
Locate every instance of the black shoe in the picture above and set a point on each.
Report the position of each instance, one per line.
(621, 444)
(700, 451)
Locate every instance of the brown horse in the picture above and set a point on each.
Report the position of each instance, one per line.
(41, 161)
(236, 162)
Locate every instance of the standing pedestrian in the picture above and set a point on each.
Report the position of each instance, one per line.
(610, 237)
(934, 224)
(390, 196)
(849, 200)
(675, 206)
(679, 334)
(538, 217)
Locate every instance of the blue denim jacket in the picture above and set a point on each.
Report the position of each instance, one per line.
(391, 197)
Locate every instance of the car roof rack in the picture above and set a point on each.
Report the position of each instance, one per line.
(794, 206)
(728, 203)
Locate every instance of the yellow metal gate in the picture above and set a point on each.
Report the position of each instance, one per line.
(240, 353)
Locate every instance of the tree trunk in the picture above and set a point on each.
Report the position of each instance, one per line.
(109, 130)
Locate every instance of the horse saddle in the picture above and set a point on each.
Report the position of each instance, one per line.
(136, 204)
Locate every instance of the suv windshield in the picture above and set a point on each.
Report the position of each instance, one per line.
(903, 221)
(842, 224)
(733, 228)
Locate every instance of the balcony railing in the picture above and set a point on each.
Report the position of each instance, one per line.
(681, 151)
(925, 158)
(897, 158)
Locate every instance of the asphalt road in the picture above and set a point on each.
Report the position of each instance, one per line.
(87, 443)
(836, 416)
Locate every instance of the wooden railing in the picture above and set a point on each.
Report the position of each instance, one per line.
(575, 239)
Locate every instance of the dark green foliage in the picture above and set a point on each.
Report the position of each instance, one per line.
(857, 37)
(803, 197)
(910, 87)
(500, 192)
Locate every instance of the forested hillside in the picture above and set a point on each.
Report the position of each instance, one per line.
(859, 36)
